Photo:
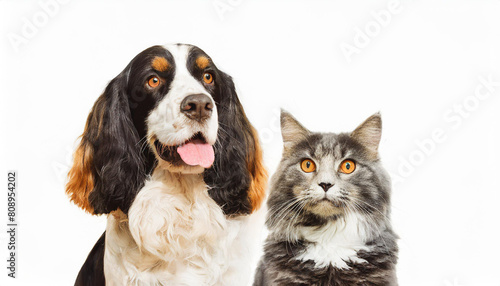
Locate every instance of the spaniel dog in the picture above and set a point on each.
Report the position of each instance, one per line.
(170, 157)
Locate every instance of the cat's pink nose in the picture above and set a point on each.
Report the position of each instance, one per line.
(325, 186)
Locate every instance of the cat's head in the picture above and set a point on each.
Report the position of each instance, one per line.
(326, 176)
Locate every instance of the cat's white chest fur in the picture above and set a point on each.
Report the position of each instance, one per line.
(176, 235)
(335, 243)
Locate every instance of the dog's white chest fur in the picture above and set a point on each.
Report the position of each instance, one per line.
(176, 235)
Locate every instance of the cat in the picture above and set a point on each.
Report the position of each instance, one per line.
(329, 210)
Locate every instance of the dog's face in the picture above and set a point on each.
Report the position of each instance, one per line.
(174, 95)
(170, 108)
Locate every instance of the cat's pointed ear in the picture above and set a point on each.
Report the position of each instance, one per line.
(369, 133)
(291, 130)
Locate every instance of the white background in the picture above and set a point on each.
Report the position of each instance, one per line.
(416, 67)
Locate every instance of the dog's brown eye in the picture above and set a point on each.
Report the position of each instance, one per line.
(308, 166)
(154, 82)
(208, 78)
(347, 167)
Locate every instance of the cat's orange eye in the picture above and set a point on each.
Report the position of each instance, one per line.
(208, 78)
(154, 82)
(308, 166)
(347, 167)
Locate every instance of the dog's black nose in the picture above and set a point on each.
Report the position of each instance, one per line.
(197, 106)
(325, 186)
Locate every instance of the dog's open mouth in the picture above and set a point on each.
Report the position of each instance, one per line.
(194, 152)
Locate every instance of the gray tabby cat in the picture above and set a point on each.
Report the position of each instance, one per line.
(329, 210)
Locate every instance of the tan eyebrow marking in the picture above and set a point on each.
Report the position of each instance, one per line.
(202, 62)
(160, 64)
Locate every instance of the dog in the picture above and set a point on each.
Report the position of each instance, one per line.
(170, 157)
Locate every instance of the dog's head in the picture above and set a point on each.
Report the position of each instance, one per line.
(170, 108)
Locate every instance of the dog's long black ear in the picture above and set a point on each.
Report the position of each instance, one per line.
(237, 178)
(108, 168)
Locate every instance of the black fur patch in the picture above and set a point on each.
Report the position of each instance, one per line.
(92, 272)
(119, 168)
(229, 178)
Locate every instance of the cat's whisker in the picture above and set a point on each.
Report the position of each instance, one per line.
(370, 206)
(279, 213)
(373, 220)
(291, 222)
(288, 204)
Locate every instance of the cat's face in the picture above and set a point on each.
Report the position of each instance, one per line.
(324, 176)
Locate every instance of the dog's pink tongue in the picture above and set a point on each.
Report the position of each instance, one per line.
(197, 153)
